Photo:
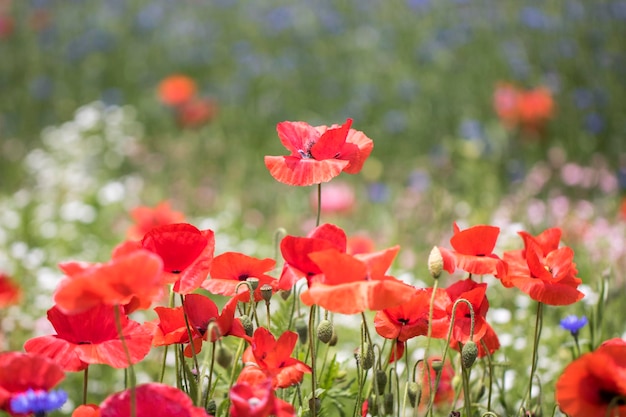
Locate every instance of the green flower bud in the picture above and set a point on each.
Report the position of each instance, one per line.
(381, 381)
(367, 358)
(415, 393)
(224, 357)
(333, 340)
(325, 331)
(246, 322)
(211, 407)
(435, 262)
(469, 353)
(303, 331)
(388, 403)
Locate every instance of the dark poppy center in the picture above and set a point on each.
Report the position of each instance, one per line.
(608, 397)
(403, 321)
(243, 277)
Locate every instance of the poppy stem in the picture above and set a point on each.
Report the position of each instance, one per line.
(533, 366)
(191, 346)
(163, 364)
(85, 383)
(319, 204)
(312, 340)
(490, 365)
(431, 309)
(132, 382)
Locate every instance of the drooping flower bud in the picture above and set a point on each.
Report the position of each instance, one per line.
(381, 381)
(325, 331)
(224, 357)
(247, 325)
(334, 339)
(303, 331)
(388, 403)
(367, 357)
(415, 393)
(435, 262)
(469, 353)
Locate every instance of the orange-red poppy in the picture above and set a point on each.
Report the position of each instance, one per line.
(86, 410)
(593, 382)
(152, 399)
(10, 292)
(146, 218)
(474, 293)
(528, 110)
(350, 284)
(546, 274)
(273, 358)
(196, 112)
(295, 251)
(257, 400)
(132, 277)
(318, 154)
(20, 372)
(186, 252)
(176, 90)
(231, 268)
(473, 250)
(91, 337)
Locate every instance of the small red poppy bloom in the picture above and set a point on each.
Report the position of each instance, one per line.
(187, 254)
(133, 276)
(593, 382)
(231, 268)
(176, 90)
(535, 109)
(257, 400)
(475, 294)
(153, 400)
(87, 410)
(10, 292)
(318, 154)
(350, 284)
(20, 372)
(273, 357)
(170, 327)
(549, 278)
(196, 112)
(295, 251)
(91, 337)
(473, 250)
(146, 218)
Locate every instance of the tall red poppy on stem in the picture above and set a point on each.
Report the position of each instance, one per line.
(350, 284)
(132, 277)
(231, 268)
(152, 399)
(296, 249)
(474, 293)
(187, 254)
(593, 382)
(544, 271)
(91, 337)
(318, 154)
(473, 250)
(20, 372)
(273, 358)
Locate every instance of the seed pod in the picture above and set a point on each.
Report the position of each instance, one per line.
(437, 365)
(224, 357)
(246, 322)
(381, 381)
(325, 331)
(285, 294)
(469, 354)
(266, 292)
(254, 283)
(303, 331)
(415, 393)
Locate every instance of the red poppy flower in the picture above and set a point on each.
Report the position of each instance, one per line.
(91, 337)
(549, 278)
(410, 319)
(176, 90)
(475, 294)
(170, 327)
(445, 389)
(258, 400)
(154, 400)
(132, 276)
(352, 284)
(20, 372)
(187, 254)
(318, 154)
(87, 410)
(273, 357)
(147, 218)
(593, 382)
(528, 110)
(473, 249)
(295, 251)
(231, 268)
(10, 292)
(196, 112)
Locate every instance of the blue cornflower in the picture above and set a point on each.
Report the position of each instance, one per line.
(38, 402)
(573, 324)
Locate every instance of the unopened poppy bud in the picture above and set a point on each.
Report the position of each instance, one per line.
(266, 292)
(211, 407)
(303, 331)
(224, 357)
(318, 404)
(325, 331)
(254, 283)
(415, 393)
(381, 381)
(437, 365)
(367, 358)
(247, 325)
(469, 354)
(435, 262)
(388, 403)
